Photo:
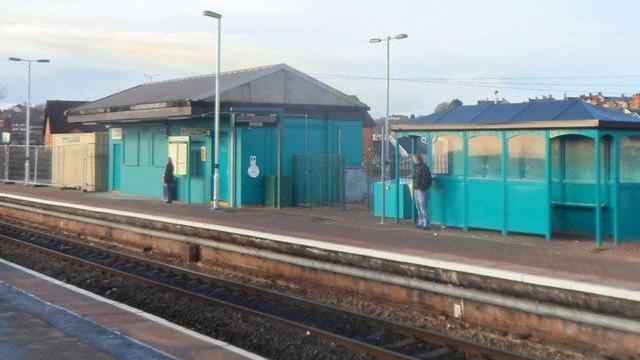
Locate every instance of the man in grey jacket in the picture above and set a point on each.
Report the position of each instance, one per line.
(421, 179)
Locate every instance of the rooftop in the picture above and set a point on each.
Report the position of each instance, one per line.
(533, 114)
(266, 85)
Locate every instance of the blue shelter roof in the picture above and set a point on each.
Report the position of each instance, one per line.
(547, 113)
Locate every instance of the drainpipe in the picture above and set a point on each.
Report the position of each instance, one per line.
(232, 182)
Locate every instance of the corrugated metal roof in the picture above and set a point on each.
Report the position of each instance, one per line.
(529, 112)
(201, 88)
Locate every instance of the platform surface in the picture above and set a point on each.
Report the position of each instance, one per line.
(42, 318)
(572, 259)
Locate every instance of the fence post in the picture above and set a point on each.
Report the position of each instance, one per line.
(35, 173)
(342, 185)
(412, 169)
(6, 163)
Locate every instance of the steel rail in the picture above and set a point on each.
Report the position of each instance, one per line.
(428, 336)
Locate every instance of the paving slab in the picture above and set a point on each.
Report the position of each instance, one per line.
(42, 318)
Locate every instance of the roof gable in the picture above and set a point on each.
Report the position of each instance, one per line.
(275, 84)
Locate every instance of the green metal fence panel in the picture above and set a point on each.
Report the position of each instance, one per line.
(319, 180)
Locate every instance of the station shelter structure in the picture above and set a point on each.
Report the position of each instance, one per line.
(539, 167)
(272, 119)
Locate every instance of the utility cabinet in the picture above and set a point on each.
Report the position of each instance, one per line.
(80, 160)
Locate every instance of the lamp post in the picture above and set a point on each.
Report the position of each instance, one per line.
(216, 125)
(28, 120)
(384, 143)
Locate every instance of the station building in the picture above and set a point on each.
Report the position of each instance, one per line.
(271, 117)
(541, 167)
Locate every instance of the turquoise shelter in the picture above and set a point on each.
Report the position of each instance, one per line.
(270, 117)
(541, 167)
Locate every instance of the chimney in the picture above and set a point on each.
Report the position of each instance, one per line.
(635, 101)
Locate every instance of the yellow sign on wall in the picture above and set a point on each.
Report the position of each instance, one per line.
(203, 153)
(179, 154)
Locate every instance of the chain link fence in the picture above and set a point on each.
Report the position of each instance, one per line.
(79, 166)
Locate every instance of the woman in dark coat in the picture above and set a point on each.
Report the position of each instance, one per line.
(168, 183)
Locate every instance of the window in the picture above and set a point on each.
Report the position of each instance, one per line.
(178, 152)
(144, 149)
(630, 159)
(579, 158)
(159, 149)
(526, 157)
(485, 157)
(131, 141)
(447, 156)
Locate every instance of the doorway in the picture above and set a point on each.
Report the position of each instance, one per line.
(197, 171)
(117, 167)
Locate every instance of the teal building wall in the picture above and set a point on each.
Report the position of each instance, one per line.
(138, 159)
(299, 136)
(143, 157)
(536, 181)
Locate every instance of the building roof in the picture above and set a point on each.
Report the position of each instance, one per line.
(275, 84)
(54, 114)
(536, 114)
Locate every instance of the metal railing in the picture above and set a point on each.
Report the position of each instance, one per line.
(81, 166)
(319, 180)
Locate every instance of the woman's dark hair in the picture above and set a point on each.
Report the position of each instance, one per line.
(418, 157)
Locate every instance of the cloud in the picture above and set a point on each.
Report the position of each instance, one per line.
(98, 47)
(182, 52)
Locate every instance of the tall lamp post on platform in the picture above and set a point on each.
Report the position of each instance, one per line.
(28, 120)
(384, 143)
(216, 125)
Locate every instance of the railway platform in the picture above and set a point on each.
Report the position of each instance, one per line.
(568, 259)
(43, 318)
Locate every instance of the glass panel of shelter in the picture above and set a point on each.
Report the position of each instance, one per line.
(630, 159)
(485, 157)
(573, 159)
(527, 157)
(448, 157)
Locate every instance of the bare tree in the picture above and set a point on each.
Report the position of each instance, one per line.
(444, 106)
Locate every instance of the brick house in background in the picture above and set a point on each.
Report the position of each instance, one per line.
(625, 104)
(5, 120)
(55, 120)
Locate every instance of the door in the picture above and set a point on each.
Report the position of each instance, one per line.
(117, 167)
(197, 171)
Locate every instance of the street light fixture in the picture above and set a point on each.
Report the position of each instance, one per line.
(28, 135)
(216, 125)
(385, 129)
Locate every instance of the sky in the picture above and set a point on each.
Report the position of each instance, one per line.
(455, 49)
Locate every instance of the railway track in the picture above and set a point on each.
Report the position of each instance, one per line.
(376, 337)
